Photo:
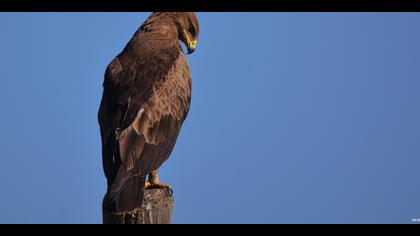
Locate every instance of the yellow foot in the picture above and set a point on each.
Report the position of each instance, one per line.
(158, 185)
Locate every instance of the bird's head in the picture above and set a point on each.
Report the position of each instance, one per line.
(188, 30)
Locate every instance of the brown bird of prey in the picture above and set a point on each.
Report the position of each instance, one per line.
(146, 98)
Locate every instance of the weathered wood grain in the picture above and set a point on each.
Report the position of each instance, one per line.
(157, 208)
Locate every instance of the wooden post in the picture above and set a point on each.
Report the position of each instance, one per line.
(157, 208)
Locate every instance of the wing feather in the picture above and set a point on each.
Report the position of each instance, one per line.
(145, 109)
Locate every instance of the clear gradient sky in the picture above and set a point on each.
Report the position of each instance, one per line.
(295, 118)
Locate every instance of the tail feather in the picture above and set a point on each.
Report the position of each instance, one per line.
(126, 193)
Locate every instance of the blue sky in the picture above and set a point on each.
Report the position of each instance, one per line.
(295, 118)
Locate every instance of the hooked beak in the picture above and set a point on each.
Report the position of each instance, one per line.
(191, 46)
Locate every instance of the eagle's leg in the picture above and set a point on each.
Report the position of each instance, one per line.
(153, 182)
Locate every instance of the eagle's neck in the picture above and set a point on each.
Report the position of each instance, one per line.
(159, 30)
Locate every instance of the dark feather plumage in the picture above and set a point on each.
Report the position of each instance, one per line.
(146, 97)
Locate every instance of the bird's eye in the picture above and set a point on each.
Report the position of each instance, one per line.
(191, 31)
